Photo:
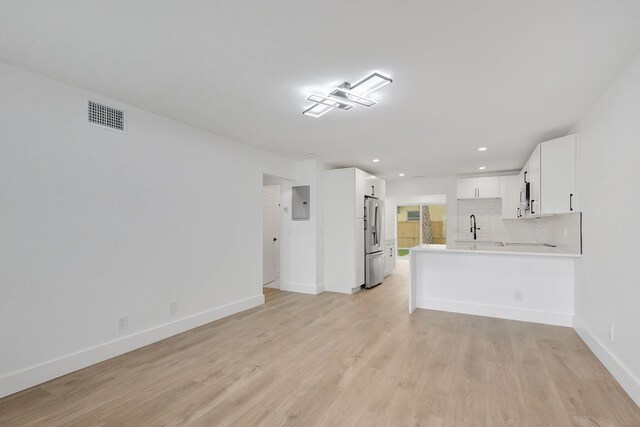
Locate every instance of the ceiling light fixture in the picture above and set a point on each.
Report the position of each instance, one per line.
(400, 174)
(376, 160)
(482, 149)
(347, 95)
(330, 101)
(482, 168)
(317, 110)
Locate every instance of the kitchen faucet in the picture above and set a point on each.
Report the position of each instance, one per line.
(474, 228)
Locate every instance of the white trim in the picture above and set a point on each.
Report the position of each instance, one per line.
(302, 288)
(512, 313)
(627, 380)
(34, 375)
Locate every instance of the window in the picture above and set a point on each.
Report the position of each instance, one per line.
(420, 224)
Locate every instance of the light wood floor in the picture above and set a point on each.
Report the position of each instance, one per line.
(340, 360)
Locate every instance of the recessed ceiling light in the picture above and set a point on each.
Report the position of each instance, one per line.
(482, 149)
(376, 160)
(400, 174)
(347, 96)
(482, 168)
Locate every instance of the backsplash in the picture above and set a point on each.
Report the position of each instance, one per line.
(561, 230)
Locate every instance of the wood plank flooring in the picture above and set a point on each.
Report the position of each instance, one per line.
(338, 360)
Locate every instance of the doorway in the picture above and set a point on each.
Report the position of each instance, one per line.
(271, 236)
(420, 224)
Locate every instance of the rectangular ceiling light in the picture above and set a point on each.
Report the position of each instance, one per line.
(360, 100)
(317, 110)
(330, 101)
(370, 84)
(346, 96)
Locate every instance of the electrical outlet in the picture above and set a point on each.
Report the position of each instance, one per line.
(123, 323)
(518, 296)
(611, 333)
(173, 307)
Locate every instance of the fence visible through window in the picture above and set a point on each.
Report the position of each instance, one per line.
(420, 224)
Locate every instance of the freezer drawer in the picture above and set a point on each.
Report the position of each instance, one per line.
(374, 269)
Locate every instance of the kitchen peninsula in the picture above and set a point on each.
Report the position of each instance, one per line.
(532, 283)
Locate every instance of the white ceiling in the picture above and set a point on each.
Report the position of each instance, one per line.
(498, 73)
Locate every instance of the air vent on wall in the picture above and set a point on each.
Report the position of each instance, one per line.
(108, 117)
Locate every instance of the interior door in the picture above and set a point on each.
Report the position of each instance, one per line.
(271, 234)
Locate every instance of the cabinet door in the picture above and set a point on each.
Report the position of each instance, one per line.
(533, 176)
(558, 175)
(359, 252)
(488, 187)
(361, 187)
(373, 187)
(510, 193)
(392, 257)
(467, 188)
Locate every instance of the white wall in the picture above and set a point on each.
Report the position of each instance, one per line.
(302, 264)
(96, 224)
(430, 186)
(607, 276)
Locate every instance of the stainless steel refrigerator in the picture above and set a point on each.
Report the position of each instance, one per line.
(373, 242)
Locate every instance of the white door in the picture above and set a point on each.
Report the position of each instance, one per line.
(271, 234)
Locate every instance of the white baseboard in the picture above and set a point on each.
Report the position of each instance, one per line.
(302, 288)
(34, 375)
(512, 313)
(627, 380)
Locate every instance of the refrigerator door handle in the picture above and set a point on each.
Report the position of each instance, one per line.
(375, 226)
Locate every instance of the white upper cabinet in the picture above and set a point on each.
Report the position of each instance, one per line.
(533, 177)
(551, 174)
(375, 187)
(467, 188)
(486, 187)
(510, 193)
(558, 176)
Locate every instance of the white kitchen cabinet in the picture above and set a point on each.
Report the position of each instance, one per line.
(359, 251)
(510, 194)
(389, 256)
(485, 187)
(521, 182)
(533, 177)
(344, 191)
(551, 173)
(360, 190)
(467, 188)
(558, 176)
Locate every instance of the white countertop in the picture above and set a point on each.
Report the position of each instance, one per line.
(492, 248)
